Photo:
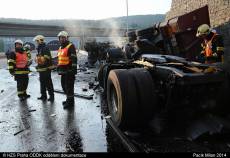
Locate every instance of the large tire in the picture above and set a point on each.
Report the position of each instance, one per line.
(121, 98)
(135, 97)
(146, 96)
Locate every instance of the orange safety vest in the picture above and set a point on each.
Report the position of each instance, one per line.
(208, 46)
(21, 60)
(63, 58)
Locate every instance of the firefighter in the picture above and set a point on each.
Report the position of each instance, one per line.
(44, 64)
(18, 67)
(27, 48)
(212, 45)
(67, 67)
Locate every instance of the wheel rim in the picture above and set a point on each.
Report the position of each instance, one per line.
(114, 104)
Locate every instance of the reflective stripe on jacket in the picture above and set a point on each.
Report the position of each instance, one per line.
(63, 58)
(208, 46)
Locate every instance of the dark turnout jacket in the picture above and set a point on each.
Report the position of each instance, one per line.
(44, 52)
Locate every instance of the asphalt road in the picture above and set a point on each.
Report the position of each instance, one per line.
(47, 127)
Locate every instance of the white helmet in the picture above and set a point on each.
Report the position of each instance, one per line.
(18, 41)
(63, 33)
(39, 38)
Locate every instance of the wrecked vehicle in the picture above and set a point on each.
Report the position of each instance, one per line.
(97, 50)
(160, 85)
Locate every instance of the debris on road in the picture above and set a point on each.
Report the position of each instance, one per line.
(53, 115)
(208, 124)
(91, 84)
(2, 91)
(97, 86)
(125, 141)
(82, 69)
(3, 121)
(107, 117)
(84, 89)
(32, 110)
(18, 132)
(77, 95)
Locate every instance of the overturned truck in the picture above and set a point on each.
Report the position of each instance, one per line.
(160, 84)
(96, 50)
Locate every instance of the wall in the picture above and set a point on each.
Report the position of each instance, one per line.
(219, 12)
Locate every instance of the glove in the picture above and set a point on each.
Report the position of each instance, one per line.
(214, 55)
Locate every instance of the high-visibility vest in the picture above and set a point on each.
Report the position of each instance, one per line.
(21, 60)
(63, 58)
(208, 46)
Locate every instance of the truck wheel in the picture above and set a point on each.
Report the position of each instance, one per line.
(146, 97)
(121, 98)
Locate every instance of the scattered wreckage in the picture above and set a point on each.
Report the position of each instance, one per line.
(157, 82)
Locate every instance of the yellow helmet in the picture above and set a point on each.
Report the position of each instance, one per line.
(39, 38)
(203, 29)
(63, 33)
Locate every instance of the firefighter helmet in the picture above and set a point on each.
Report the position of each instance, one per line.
(39, 38)
(203, 29)
(63, 33)
(18, 41)
(27, 46)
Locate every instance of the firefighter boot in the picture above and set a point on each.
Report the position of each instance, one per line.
(42, 98)
(69, 103)
(22, 98)
(51, 98)
(26, 96)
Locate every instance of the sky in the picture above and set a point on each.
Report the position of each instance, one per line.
(80, 9)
